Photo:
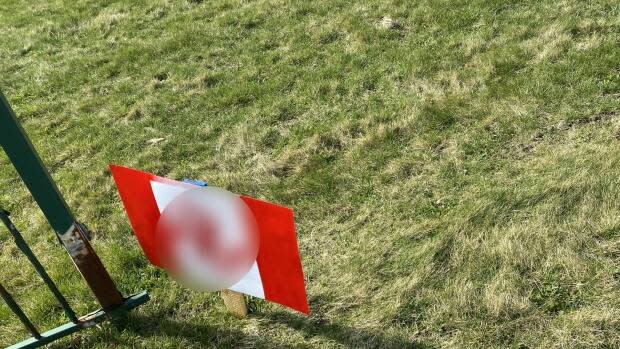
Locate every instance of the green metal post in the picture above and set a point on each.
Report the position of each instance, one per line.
(23, 246)
(29, 166)
(18, 312)
(71, 234)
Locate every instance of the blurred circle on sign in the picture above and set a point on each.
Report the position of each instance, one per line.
(207, 239)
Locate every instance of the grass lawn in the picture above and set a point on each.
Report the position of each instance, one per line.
(454, 166)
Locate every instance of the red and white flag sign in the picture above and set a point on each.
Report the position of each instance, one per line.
(276, 273)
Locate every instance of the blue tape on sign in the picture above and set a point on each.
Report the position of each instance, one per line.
(195, 182)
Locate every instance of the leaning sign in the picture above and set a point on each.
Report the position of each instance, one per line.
(73, 236)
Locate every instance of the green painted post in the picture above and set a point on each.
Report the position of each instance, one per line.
(23, 246)
(17, 310)
(28, 165)
(72, 235)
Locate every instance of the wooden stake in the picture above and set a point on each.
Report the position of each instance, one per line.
(235, 303)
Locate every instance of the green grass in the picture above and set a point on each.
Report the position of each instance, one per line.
(455, 175)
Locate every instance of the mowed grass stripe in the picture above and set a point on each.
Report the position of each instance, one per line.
(453, 165)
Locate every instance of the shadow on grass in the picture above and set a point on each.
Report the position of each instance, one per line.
(345, 335)
(161, 326)
(203, 335)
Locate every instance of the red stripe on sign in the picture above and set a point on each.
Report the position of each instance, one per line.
(135, 190)
(278, 255)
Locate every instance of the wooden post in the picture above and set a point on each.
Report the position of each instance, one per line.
(235, 303)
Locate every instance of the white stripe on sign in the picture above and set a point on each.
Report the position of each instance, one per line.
(165, 193)
(251, 284)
